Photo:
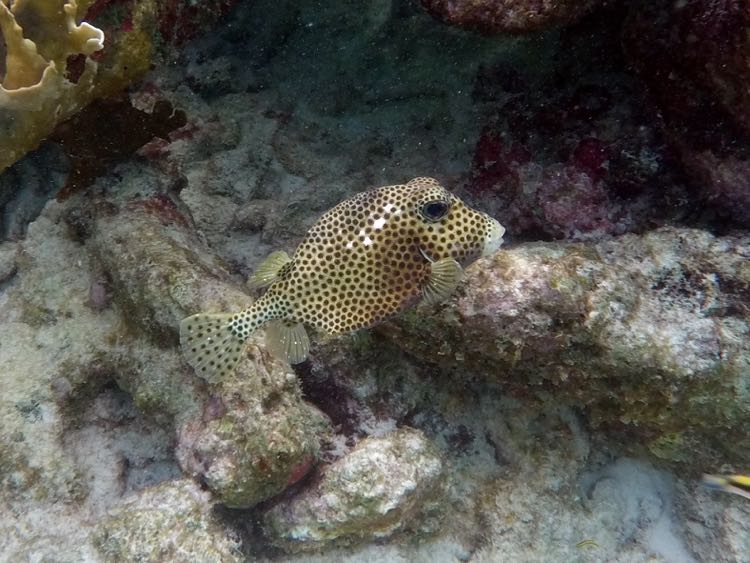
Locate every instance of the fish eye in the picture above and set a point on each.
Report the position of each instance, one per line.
(434, 210)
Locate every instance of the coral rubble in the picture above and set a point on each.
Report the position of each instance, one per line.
(169, 522)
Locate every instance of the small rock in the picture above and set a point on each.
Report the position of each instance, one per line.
(170, 522)
(385, 485)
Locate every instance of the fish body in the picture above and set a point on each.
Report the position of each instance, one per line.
(369, 257)
(735, 484)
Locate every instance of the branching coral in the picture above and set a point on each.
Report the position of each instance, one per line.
(35, 93)
(33, 66)
(40, 88)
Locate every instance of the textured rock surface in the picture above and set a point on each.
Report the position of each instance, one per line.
(72, 445)
(256, 436)
(649, 334)
(42, 310)
(385, 485)
(631, 498)
(169, 522)
(509, 16)
(167, 274)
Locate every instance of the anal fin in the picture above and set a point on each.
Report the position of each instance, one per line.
(445, 275)
(269, 269)
(288, 340)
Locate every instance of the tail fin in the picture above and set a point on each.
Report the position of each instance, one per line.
(210, 345)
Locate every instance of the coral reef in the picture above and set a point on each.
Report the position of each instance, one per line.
(508, 16)
(572, 153)
(56, 64)
(384, 485)
(40, 87)
(561, 406)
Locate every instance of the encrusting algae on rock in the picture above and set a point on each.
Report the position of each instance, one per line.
(367, 258)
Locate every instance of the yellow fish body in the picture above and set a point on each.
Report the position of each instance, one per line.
(364, 260)
(735, 484)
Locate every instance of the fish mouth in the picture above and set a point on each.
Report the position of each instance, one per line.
(494, 238)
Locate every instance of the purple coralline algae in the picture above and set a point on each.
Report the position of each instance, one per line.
(509, 16)
(694, 58)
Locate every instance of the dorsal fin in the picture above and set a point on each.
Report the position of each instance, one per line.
(269, 270)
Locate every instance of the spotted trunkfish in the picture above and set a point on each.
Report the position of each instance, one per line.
(369, 257)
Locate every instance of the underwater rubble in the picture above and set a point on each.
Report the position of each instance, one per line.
(561, 406)
(167, 522)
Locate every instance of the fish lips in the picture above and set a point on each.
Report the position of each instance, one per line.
(494, 239)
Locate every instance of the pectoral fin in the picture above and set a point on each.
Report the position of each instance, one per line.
(445, 275)
(288, 340)
(269, 270)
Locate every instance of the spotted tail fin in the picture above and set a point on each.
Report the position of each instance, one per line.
(212, 344)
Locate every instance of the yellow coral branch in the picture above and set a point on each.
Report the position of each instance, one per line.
(24, 65)
(52, 26)
(35, 95)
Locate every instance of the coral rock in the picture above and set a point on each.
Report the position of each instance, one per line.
(649, 334)
(164, 274)
(40, 89)
(383, 486)
(509, 16)
(256, 436)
